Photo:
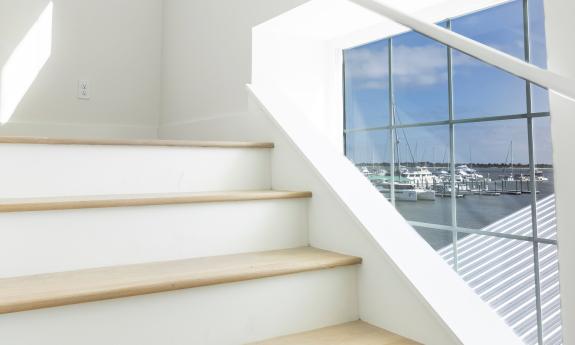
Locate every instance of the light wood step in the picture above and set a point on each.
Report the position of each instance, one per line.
(104, 201)
(57, 289)
(134, 142)
(352, 333)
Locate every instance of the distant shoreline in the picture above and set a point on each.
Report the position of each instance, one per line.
(474, 165)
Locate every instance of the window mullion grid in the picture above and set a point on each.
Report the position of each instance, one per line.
(455, 121)
(343, 74)
(532, 181)
(437, 227)
(392, 130)
(452, 152)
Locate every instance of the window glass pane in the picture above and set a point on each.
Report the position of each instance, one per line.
(550, 294)
(446, 252)
(366, 86)
(546, 222)
(537, 39)
(440, 240)
(492, 161)
(369, 151)
(500, 27)
(419, 74)
(539, 99)
(480, 89)
(422, 160)
(501, 272)
(538, 45)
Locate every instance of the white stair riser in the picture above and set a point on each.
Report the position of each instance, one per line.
(56, 170)
(53, 241)
(228, 314)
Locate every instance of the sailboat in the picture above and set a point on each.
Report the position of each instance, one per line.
(511, 176)
(405, 181)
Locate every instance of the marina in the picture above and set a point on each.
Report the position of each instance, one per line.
(422, 178)
(484, 195)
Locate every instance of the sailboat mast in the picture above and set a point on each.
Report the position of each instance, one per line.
(512, 159)
(397, 156)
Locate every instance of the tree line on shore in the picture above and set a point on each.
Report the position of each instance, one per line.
(474, 165)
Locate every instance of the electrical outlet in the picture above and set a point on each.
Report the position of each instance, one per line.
(83, 89)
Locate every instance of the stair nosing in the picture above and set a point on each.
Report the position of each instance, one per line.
(350, 333)
(134, 142)
(17, 294)
(135, 200)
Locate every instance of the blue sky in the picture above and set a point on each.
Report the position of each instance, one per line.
(420, 80)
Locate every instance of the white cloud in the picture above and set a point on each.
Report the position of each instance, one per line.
(420, 66)
(414, 66)
(367, 63)
(374, 84)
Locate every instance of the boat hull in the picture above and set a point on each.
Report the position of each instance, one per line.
(401, 195)
(423, 194)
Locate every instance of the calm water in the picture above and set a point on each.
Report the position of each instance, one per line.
(473, 211)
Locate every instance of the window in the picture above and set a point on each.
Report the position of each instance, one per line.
(463, 151)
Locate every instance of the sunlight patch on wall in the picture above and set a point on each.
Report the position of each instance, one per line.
(25, 63)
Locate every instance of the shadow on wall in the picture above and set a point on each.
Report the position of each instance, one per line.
(23, 53)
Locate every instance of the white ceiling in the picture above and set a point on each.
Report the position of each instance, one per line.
(348, 24)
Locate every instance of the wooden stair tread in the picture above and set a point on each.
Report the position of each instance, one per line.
(102, 201)
(57, 289)
(133, 142)
(352, 333)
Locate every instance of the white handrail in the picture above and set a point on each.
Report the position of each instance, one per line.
(547, 79)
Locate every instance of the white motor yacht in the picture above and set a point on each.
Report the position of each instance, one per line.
(468, 173)
(425, 194)
(420, 176)
(403, 191)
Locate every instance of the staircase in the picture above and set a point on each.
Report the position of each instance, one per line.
(164, 242)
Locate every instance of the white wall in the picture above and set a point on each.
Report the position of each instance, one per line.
(207, 56)
(561, 59)
(115, 44)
